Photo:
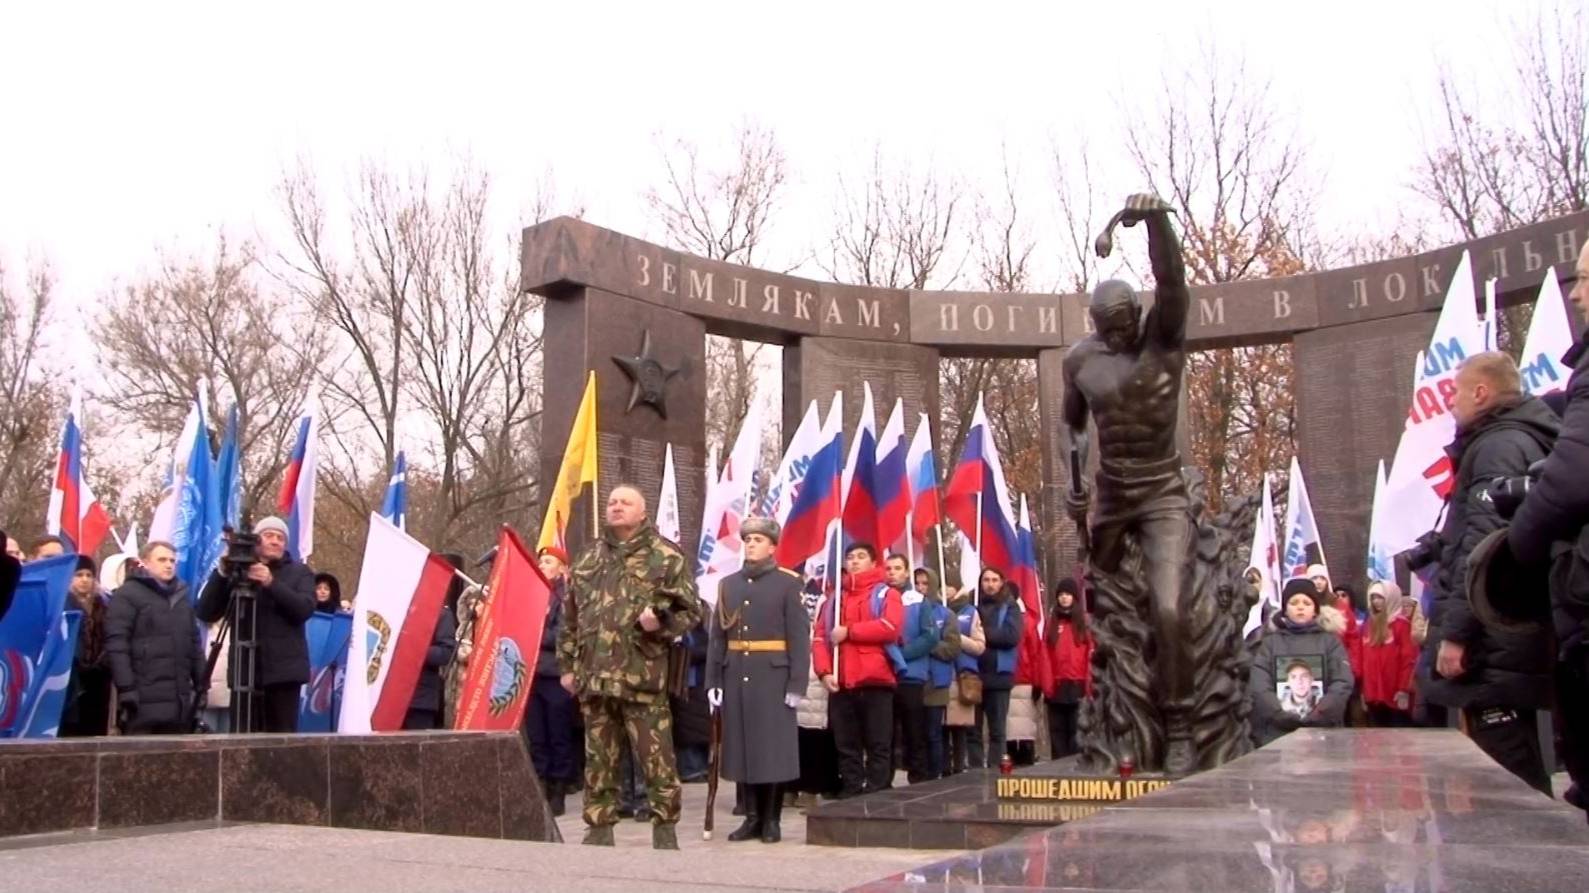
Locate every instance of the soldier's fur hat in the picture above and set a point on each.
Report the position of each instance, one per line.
(767, 527)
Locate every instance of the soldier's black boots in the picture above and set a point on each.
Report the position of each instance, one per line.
(556, 797)
(751, 829)
(770, 799)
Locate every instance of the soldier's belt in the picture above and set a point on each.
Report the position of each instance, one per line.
(749, 645)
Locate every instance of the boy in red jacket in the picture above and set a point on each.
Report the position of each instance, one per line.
(861, 700)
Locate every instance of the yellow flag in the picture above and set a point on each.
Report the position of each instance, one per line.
(578, 469)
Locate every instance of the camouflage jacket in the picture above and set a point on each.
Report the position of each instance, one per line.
(610, 583)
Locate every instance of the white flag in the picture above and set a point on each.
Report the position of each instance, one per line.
(779, 498)
(1421, 474)
(1381, 561)
(721, 552)
(392, 572)
(668, 501)
(1304, 548)
(1265, 558)
(1549, 336)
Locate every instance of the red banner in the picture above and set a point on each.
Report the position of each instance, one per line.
(507, 640)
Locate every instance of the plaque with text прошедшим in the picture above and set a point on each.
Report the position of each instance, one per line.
(1075, 788)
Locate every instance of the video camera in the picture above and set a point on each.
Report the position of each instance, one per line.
(242, 552)
(1507, 494)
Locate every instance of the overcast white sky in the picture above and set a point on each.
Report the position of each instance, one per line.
(128, 130)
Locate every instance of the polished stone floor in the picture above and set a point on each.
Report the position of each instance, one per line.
(208, 857)
(1382, 810)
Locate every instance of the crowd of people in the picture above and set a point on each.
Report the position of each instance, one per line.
(833, 694)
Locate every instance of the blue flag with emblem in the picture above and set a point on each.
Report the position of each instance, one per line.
(394, 507)
(42, 714)
(328, 636)
(25, 635)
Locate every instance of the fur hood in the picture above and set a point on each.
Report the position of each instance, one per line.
(1331, 620)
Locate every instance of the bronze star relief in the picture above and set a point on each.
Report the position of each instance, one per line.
(649, 376)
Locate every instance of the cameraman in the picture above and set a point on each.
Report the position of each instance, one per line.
(284, 603)
(1497, 678)
(1553, 525)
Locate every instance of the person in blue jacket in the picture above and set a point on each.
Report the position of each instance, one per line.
(917, 635)
(1002, 622)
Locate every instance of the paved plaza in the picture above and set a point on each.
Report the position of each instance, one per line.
(291, 858)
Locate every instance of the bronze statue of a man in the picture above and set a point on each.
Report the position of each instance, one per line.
(1127, 375)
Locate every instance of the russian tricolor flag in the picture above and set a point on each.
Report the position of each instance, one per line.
(296, 502)
(893, 485)
(74, 514)
(817, 506)
(859, 485)
(977, 499)
(922, 469)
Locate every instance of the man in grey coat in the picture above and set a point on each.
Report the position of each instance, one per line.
(756, 668)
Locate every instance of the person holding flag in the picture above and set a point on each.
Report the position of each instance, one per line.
(284, 593)
(849, 650)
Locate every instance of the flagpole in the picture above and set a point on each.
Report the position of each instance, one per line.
(976, 588)
(910, 541)
(941, 582)
(595, 473)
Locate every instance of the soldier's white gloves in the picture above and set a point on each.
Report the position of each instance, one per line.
(714, 696)
(791, 701)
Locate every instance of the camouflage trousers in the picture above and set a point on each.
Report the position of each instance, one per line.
(649, 731)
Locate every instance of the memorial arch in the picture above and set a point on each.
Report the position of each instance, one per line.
(1356, 332)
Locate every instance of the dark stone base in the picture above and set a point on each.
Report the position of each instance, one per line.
(473, 784)
(955, 813)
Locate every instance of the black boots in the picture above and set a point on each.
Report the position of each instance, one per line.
(770, 799)
(556, 797)
(751, 828)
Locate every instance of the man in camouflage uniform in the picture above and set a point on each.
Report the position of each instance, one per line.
(630, 595)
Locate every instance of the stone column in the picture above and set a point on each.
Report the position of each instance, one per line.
(584, 329)
(1353, 387)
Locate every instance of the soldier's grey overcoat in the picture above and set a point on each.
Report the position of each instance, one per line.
(760, 735)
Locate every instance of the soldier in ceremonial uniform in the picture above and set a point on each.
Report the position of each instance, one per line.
(756, 668)
(630, 594)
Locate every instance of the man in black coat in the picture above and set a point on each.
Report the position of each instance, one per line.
(285, 601)
(1498, 678)
(156, 659)
(1553, 525)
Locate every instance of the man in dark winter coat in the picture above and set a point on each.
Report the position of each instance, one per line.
(284, 603)
(756, 670)
(156, 659)
(1498, 678)
(1553, 525)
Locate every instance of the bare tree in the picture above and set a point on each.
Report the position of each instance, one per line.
(893, 228)
(723, 213)
(207, 319)
(31, 415)
(1488, 169)
(437, 350)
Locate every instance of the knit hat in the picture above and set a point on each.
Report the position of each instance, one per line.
(557, 552)
(86, 563)
(270, 522)
(1300, 586)
(767, 527)
(1317, 570)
